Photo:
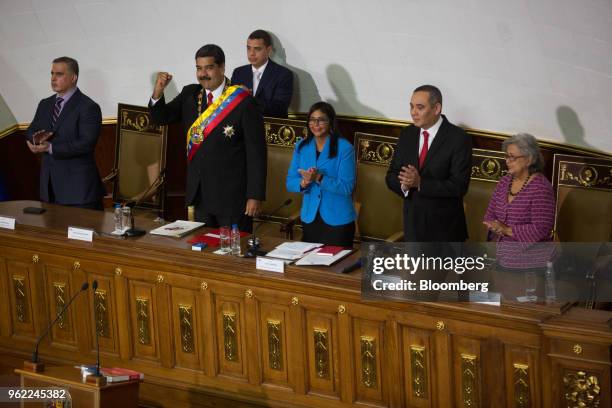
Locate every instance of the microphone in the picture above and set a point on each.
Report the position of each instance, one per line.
(352, 267)
(133, 231)
(35, 361)
(253, 242)
(94, 286)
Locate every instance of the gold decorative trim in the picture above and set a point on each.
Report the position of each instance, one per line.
(368, 362)
(186, 319)
(248, 293)
(295, 301)
(275, 345)
(139, 121)
(341, 309)
(521, 385)
(577, 349)
(418, 367)
(440, 325)
(101, 313)
(160, 278)
(59, 289)
(582, 389)
(469, 380)
(35, 258)
(142, 320)
(230, 336)
(488, 165)
(375, 149)
(321, 353)
(118, 271)
(9, 130)
(591, 176)
(21, 302)
(203, 285)
(76, 265)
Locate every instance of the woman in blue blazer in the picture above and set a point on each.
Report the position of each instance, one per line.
(323, 170)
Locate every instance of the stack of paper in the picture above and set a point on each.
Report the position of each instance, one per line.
(292, 250)
(314, 258)
(177, 229)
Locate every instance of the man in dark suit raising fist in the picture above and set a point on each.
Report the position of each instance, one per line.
(271, 84)
(430, 169)
(226, 146)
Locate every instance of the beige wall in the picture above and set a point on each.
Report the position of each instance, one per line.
(7, 119)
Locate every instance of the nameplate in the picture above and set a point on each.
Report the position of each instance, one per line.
(80, 234)
(269, 264)
(7, 222)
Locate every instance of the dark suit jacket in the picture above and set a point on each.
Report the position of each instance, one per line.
(225, 171)
(275, 87)
(71, 169)
(435, 212)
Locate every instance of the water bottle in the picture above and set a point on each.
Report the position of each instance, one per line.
(127, 217)
(550, 290)
(531, 282)
(235, 240)
(118, 215)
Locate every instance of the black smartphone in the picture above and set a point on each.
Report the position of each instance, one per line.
(34, 210)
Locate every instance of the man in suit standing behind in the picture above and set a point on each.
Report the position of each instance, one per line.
(65, 131)
(271, 84)
(226, 146)
(430, 169)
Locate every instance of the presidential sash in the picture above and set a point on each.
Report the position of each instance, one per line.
(212, 116)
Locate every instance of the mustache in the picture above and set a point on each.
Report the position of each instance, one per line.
(204, 78)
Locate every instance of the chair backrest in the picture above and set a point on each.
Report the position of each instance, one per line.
(488, 166)
(140, 156)
(584, 198)
(281, 137)
(380, 215)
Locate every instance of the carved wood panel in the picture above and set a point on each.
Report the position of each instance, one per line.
(322, 351)
(416, 348)
(185, 328)
(60, 288)
(273, 320)
(231, 347)
(368, 346)
(467, 372)
(143, 317)
(103, 314)
(18, 277)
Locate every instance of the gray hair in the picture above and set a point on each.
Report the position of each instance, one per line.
(528, 146)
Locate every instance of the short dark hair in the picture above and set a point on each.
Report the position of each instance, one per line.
(329, 111)
(211, 50)
(435, 96)
(71, 63)
(261, 35)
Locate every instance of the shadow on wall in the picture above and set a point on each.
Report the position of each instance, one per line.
(169, 93)
(305, 91)
(570, 126)
(344, 88)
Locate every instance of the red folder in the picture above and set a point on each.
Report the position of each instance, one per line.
(330, 250)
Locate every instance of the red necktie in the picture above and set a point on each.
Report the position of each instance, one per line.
(424, 148)
(209, 98)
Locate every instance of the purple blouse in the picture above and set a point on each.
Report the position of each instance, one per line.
(531, 215)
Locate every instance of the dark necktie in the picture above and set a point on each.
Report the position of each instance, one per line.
(56, 110)
(209, 98)
(424, 148)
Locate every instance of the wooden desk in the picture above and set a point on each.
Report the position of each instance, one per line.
(204, 326)
(112, 395)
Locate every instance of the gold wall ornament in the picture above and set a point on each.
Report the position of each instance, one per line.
(592, 176)
(76, 265)
(521, 385)
(295, 301)
(341, 309)
(142, 320)
(35, 258)
(582, 389)
(469, 380)
(118, 271)
(21, 302)
(101, 313)
(280, 133)
(203, 285)
(577, 349)
(368, 361)
(59, 289)
(248, 293)
(321, 353)
(418, 368)
(275, 345)
(376, 151)
(488, 165)
(440, 325)
(160, 278)
(138, 121)
(230, 336)
(186, 319)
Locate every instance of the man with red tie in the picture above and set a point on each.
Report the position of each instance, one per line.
(226, 145)
(431, 169)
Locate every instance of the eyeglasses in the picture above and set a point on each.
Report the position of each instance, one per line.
(318, 121)
(511, 158)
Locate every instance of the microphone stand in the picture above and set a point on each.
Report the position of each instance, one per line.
(35, 365)
(133, 231)
(98, 379)
(254, 244)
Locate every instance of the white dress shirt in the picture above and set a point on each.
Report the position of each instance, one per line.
(257, 74)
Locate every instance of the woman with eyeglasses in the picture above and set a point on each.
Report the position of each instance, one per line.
(323, 170)
(522, 208)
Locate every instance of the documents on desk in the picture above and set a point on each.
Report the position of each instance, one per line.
(314, 258)
(292, 250)
(177, 229)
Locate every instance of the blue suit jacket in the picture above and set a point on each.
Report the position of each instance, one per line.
(274, 91)
(71, 169)
(332, 198)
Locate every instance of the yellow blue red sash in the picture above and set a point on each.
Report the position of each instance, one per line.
(212, 116)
